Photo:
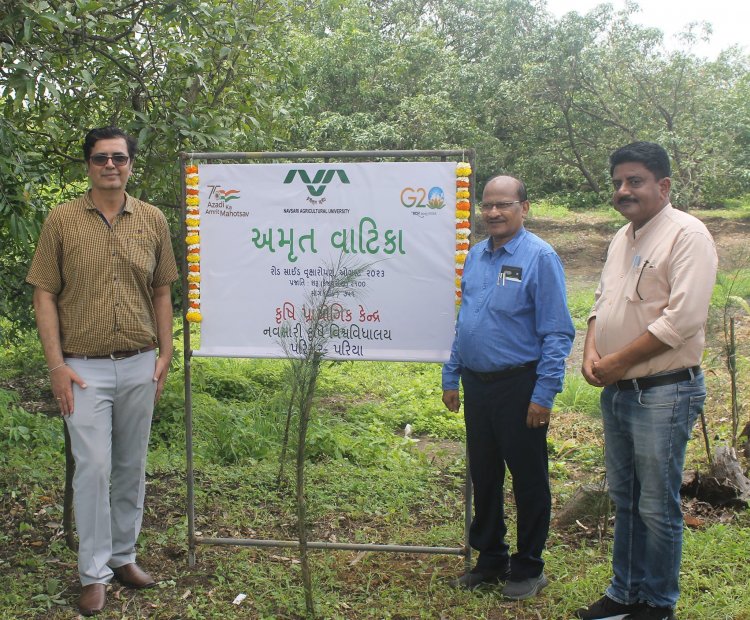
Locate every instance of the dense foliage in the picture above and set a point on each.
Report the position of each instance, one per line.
(545, 99)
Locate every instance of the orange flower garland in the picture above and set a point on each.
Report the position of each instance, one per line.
(463, 227)
(192, 243)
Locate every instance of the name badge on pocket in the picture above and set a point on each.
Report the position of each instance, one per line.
(508, 273)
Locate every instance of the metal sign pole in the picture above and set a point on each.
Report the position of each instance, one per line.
(194, 540)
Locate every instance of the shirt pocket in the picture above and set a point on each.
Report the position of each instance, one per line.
(509, 298)
(646, 285)
(142, 254)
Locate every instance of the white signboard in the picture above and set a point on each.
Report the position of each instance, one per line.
(271, 233)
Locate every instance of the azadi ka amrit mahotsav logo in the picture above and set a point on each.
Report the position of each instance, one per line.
(317, 185)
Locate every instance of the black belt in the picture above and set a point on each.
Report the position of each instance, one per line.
(117, 355)
(644, 383)
(491, 377)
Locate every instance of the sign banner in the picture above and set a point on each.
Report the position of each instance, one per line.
(271, 236)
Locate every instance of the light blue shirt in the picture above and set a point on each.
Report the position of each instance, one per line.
(506, 320)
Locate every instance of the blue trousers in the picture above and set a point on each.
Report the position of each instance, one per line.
(496, 437)
(645, 436)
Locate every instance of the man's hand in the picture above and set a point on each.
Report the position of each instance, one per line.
(590, 356)
(609, 369)
(160, 375)
(451, 400)
(62, 379)
(587, 369)
(537, 416)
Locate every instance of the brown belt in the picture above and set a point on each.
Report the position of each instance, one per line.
(117, 355)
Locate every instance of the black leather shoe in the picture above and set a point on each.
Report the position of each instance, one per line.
(478, 577)
(93, 598)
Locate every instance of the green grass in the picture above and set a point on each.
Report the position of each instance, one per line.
(366, 483)
(562, 210)
(728, 209)
(580, 302)
(732, 291)
(578, 396)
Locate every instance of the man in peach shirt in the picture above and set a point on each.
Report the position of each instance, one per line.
(644, 345)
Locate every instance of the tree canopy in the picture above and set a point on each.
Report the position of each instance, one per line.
(543, 98)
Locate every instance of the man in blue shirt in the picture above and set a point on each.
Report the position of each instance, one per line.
(513, 334)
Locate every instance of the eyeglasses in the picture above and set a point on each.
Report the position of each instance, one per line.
(500, 206)
(118, 159)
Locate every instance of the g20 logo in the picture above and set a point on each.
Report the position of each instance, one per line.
(434, 198)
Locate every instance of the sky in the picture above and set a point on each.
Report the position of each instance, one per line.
(730, 19)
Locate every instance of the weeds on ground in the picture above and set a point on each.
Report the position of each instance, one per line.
(368, 483)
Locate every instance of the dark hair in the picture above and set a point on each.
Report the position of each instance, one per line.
(520, 189)
(106, 133)
(650, 154)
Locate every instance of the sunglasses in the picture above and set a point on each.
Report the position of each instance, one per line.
(118, 159)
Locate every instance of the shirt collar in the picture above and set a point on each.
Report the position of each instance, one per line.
(128, 208)
(511, 246)
(651, 223)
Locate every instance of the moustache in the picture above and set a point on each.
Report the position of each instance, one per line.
(624, 201)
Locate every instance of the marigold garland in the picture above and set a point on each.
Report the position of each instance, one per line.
(463, 226)
(194, 316)
(192, 243)
(463, 169)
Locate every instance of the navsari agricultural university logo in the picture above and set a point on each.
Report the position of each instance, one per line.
(221, 201)
(317, 185)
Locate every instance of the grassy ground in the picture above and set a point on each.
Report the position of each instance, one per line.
(367, 483)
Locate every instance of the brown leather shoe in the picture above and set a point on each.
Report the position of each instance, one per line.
(133, 576)
(93, 598)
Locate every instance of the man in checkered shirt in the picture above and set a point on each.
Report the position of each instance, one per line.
(102, 273)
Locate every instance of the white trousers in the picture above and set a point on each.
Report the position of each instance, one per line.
(109, 432)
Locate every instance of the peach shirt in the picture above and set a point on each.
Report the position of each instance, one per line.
(658, 278)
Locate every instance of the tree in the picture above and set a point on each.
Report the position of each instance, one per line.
(167, 72)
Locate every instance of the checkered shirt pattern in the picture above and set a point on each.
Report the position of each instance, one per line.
(104, 276)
